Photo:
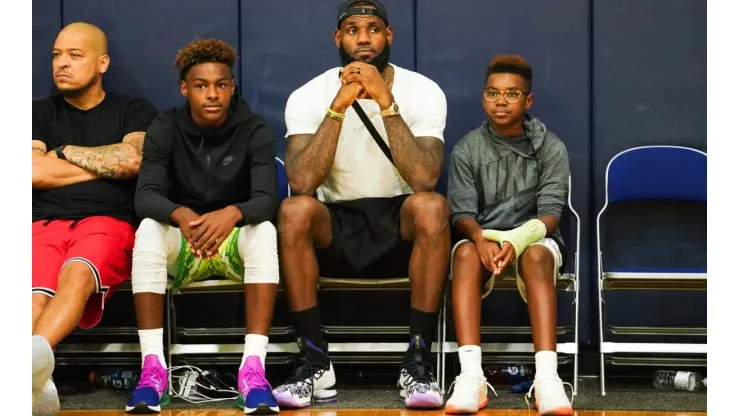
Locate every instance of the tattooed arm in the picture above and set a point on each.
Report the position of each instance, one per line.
(50, 173)
(309, 157)
(418, 159)
(113, 161)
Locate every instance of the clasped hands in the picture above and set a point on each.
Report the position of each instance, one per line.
(361, 80)
(205, 233)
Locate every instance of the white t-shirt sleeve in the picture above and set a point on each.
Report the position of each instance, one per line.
(304, 111)
(430, 112)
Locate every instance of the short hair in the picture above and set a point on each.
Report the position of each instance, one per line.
(202, 51)
(511, 64)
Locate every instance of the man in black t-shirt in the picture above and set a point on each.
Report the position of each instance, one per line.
(86, 153)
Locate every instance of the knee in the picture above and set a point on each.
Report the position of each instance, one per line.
(39, 302)
(466, 257)
(260, 237)
(294, 215)
(264, 231)
(466, 253)
(149, 235)
(431, 213)
(78, 277)
(536, 257)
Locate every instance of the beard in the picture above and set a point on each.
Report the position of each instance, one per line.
(78, 91)
(380, 61)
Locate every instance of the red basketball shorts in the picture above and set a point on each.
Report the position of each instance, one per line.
(104, 244)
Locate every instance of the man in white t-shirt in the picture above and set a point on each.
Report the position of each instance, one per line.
(373, 217)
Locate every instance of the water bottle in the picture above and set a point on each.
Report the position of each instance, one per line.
(114, 378)
(508, 374)
(678, 380)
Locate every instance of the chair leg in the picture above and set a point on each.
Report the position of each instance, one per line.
(575, 374)
(603, 376)
(444, 341)
(440, 343)
(170, 309)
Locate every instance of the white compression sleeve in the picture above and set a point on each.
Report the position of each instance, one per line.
(157, 246)
(258, 247)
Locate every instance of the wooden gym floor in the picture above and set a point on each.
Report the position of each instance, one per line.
(370, 412)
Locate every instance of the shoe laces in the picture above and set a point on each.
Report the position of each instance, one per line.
(150, 378)
(419, 371)
(308, 369)
(556, 378)
(476, 379)
(255, 380)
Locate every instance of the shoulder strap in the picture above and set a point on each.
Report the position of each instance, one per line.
(373, 131)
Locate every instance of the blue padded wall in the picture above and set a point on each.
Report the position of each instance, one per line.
(650, 72)
(608, 74)
(455, 42)
(286, 43)
(144, 37)
(46, 22)
(649, 87)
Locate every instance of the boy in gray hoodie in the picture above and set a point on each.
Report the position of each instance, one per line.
(507, 185)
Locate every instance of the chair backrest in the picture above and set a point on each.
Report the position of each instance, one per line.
(651, 173)
(282, 178)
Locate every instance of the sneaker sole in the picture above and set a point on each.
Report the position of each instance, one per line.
(262, 409)
(563, 411)
(143, 409)
(449, 409)
(423, 401)
(288, 401)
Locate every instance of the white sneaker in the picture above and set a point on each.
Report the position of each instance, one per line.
(550, 397)
(312, 381)
(45, 400)
(470, 395)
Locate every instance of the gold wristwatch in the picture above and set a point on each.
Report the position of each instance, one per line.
(390, 111)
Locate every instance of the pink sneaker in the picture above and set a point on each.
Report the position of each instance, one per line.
(147, 396)
(257, 392)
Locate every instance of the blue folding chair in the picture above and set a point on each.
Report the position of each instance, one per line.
(651, 174)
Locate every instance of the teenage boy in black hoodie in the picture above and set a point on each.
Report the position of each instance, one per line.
(207, 192)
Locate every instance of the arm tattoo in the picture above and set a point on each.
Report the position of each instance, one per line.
(38, 150)
(116, 161)
(309, 158)
(418, 160)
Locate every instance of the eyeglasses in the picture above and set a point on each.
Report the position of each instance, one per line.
(512, 95)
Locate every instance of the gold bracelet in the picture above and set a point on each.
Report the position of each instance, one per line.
(333, 114)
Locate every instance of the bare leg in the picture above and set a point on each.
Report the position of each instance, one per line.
(149, 310)
(467, 275)
(260, 300)
(61, 315)
(536, 269)
(425, 220)
(304, 224)
(38, 302)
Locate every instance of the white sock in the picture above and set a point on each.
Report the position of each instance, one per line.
(255, 344)
(151, 343)
(470, 359)
(546, 363)
(42, 361)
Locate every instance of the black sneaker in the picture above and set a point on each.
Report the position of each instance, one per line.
(312, 381)
(419, 389)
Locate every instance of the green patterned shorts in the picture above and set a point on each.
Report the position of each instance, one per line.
(228, 264)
